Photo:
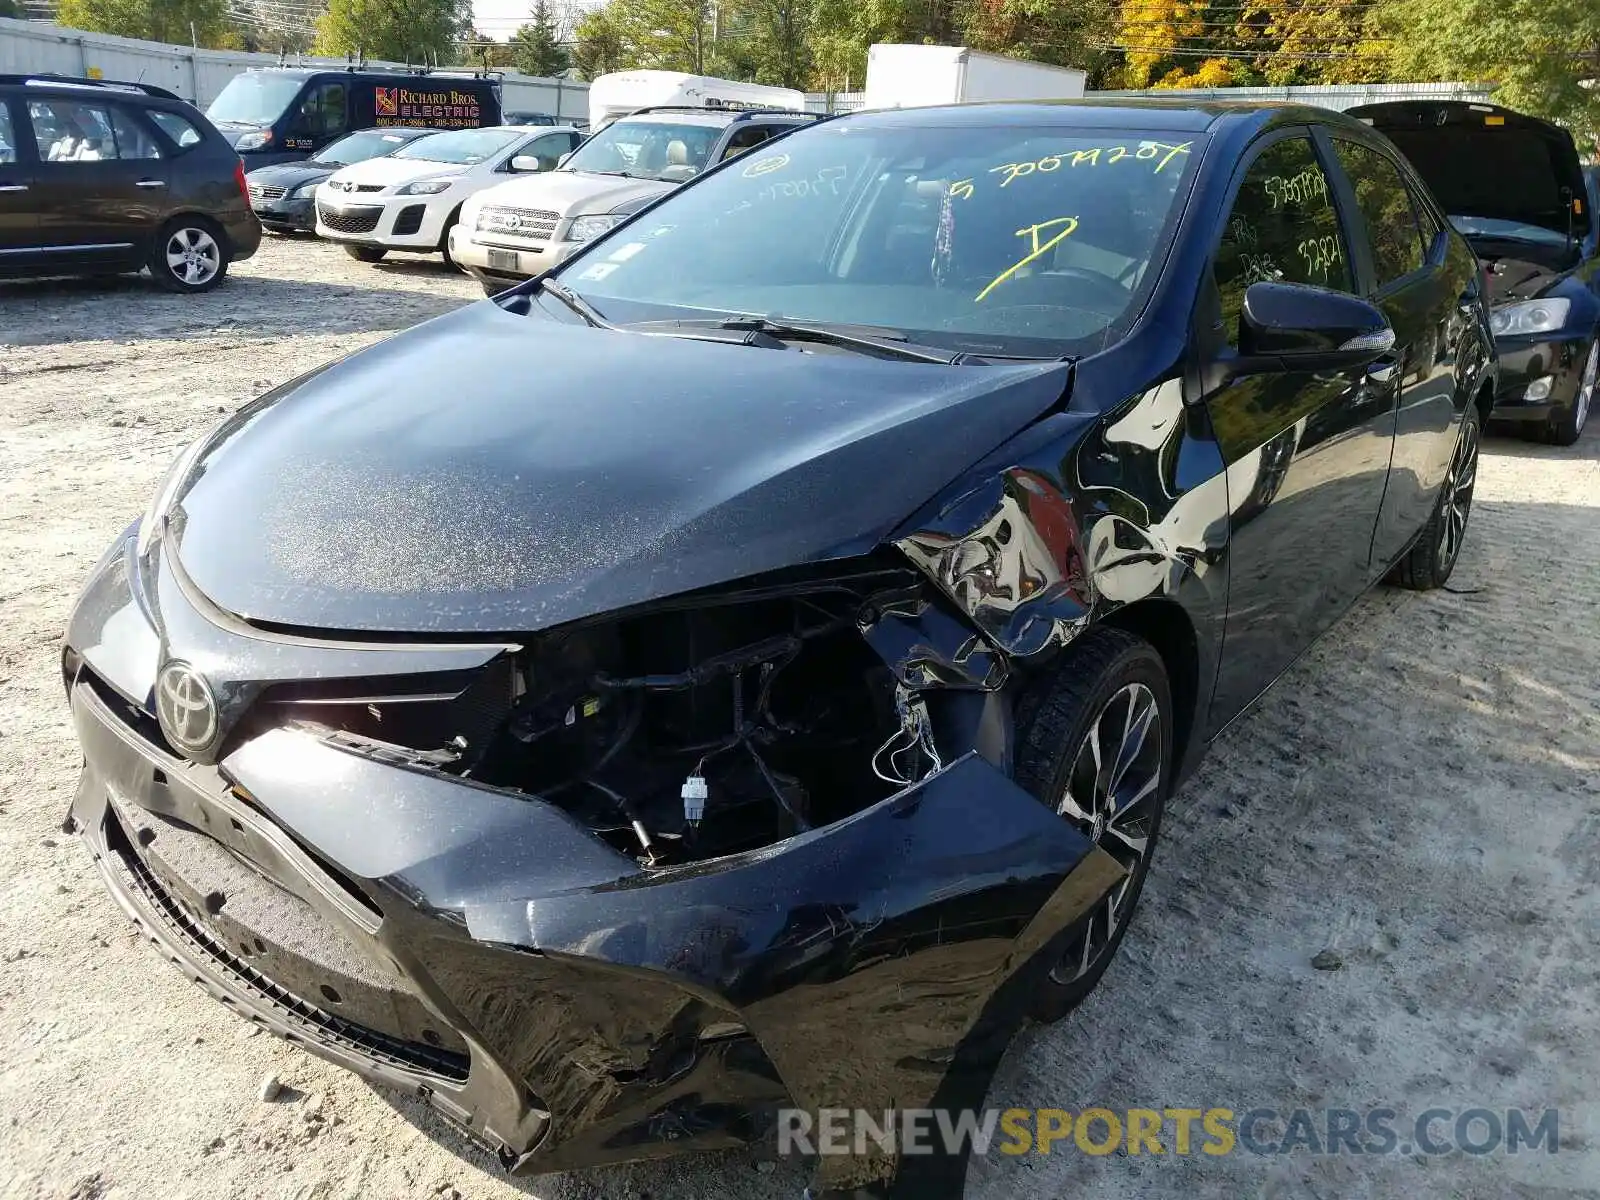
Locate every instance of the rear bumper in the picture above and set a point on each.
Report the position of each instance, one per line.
(565, 1006)
(244, 233)
(1523, 360)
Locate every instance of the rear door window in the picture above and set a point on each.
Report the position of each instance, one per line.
(1283, 229)
(1386, 210)
(134, 140)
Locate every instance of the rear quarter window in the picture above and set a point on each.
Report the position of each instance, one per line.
(183, 132)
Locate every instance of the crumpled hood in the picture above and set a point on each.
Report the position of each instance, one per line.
(572, 193)
(489, 472)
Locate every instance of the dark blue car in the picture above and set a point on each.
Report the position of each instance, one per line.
(745, 667)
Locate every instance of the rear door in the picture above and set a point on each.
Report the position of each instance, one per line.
(1307, 452)
(101, 181)
(1409, 274)
(19, 220)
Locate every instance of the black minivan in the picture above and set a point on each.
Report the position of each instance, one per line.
(101, 178)
(281, 114)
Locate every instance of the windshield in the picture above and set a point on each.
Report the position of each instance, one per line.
(1515, 231)
(994, 239)
(463, 147)
(358, 147)
(647, 150)
(254, 98)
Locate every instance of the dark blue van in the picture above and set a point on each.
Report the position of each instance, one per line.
(285, 113)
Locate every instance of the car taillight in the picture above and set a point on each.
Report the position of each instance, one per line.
(238, 178)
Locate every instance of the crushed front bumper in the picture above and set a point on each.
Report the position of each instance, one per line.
(565, 1006)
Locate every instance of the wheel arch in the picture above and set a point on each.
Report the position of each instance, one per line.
(1168, 627)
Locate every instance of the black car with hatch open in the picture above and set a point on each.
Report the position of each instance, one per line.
(745, 668)
(1514, 186)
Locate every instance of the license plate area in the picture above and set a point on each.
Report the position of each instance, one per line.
(503, 260)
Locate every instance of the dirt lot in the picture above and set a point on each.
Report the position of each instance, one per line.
(1421, 797)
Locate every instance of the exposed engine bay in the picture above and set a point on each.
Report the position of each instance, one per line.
(1518, 270)
(691, 730)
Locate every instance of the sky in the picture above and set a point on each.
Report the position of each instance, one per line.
(500, 18)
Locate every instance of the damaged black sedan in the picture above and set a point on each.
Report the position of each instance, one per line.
(745, 669)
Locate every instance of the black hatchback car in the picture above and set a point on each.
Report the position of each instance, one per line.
(772, 699)
(101, 178)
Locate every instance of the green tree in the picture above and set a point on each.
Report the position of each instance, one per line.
(1542, 54)
(597, 44)
(536, 47)
(171, 21)
(397, 30)
(769, 41)
(10, 8)
(1068, 33)
(483, 53)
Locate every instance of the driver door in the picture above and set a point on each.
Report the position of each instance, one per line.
(1307, 453)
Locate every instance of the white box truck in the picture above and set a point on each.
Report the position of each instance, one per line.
(910, 76)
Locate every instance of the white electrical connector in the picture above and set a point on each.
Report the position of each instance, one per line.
(695, 792)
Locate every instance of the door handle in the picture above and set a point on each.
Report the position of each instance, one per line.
(152, 183)
(13, 187)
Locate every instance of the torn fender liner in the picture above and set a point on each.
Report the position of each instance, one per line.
(859, 955)
(586, 472)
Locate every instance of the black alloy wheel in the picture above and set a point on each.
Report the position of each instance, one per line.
(1094, 742)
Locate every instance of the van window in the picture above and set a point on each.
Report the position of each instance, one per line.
(67, 131)
(8, 138)
(254, 98)
(322, 112)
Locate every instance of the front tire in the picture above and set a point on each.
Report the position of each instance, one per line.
(190, 255)
(1566, 429)
(1094, 742)
(1429, 562)
(366, 254)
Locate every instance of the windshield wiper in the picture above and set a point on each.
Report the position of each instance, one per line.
(590, 315)
(892, 345)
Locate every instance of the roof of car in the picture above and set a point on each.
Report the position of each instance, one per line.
(1178, 116)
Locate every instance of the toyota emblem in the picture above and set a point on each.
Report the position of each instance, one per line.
(186, 708)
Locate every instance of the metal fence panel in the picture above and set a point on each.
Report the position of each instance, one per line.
(34, 47)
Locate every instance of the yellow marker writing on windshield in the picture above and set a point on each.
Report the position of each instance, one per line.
(1040, 248)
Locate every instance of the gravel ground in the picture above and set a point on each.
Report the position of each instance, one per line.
(1420, 797)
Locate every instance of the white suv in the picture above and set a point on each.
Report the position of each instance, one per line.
(409, 200)
(524, 227)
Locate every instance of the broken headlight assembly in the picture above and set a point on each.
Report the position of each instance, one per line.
(686, 730)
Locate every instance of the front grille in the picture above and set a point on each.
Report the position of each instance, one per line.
(316, 1024)
(535, 224)
(365, 187)
(267, 191)
(349, 220)
(410, 219)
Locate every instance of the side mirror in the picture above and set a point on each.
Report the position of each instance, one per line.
(1311, 328)
(526, 164)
